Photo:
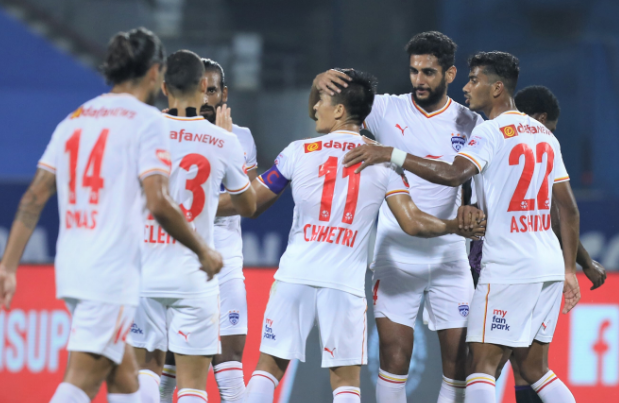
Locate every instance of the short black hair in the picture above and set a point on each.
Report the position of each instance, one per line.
(130, 54)
(538, 99)
(504, 65)
(212, 65)
(358, 97)
(434, 43)
(184, 71)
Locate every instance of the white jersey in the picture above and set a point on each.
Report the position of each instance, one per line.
(228, 238)
(334, 211)
(99, 154)
(519, 160)
(397, 121)
(203, 157)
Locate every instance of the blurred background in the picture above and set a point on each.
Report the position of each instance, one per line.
(272, 49)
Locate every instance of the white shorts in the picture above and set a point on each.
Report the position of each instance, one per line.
(187, 326)
(233, 319)
(513, 315)
(448, 288)
(99, 328)
(290, 316)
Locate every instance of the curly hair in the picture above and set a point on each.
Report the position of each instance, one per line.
(501, 64)
(434, 43)
(538, 99)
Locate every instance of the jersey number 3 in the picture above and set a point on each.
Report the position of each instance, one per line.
(329, 171)
(195, 185)
(518, 201)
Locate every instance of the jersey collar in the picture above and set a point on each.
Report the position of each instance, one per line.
(346, 132)
(435, 113)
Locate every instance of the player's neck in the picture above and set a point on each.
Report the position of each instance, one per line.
(182, 104)
(142, 94)
(435, 106)
(346, 126)
(499, 107)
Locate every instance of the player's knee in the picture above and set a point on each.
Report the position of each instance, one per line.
(394, 358)
(531, 372)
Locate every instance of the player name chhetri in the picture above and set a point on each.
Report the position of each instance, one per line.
(200, 138)
(319, 233)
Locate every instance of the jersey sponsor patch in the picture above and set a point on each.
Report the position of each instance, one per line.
(164, 156)
(311, 147)
(476, 142)
(457, 141)
(509, 131)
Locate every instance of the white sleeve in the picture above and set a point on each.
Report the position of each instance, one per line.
(153, 150)
(481, 147)
(235, 180)
(398, 184)
(561, 174)
(285, 161)
(373, 120)
(252, 154)
(49, 160)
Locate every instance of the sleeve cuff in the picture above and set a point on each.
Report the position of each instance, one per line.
(46, 167)
(154, 171)
(562, 179)
(240, 190)
(472, 159)
(396, 192)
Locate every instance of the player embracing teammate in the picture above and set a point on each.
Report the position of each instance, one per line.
(520, 173)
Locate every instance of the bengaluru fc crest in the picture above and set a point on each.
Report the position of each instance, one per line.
(464, 309)
(233, 316)
(457, 141)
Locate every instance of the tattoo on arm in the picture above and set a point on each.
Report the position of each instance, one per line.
(42, 187)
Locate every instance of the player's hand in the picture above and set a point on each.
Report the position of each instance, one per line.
(8, 283)
(596, 273)
(326, 81)
(571, 292)
(468, 216)
(166, 110)
(211, 262)
(368, 154)
(474, 232)
(223, 117)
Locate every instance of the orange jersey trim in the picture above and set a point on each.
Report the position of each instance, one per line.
(151, 171)
(251, 167)
(483, 337)
(430, 115)
(565, 178)
(514, 113)
(473, 160)
(184, 119)
(46, 166)
(239, 190)
(396, 192)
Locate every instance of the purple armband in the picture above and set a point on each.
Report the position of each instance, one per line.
(274, 180)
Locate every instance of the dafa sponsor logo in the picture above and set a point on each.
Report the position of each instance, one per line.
(319, 145)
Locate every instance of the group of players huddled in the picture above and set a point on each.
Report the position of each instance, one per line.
(149, 254)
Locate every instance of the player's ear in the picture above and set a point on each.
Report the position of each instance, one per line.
(450, 74)
(339, 111)
(225, 94)
(498, 88)
(164, 88)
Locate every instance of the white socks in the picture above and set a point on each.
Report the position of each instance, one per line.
(347, 394)
(149, 386)
(168, 383)
(124, 398)
(229, 377)
(187, 395)
(261, 388)
(452, 391)
(551, 390)
(68, 393)
(390, 388)
(480, 388)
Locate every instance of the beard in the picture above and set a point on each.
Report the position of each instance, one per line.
(434, 95)
(209, 112)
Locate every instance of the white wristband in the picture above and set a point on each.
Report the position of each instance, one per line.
(398, 157)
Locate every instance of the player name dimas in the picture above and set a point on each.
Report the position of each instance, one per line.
(203, 138)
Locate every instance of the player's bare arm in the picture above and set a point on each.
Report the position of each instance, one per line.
(570, 229)
(43, 186)
(169, 216)
(223, 117)
(594, 271)
(326, 82)
(469, 216)
(227, 206)
(417, 223)
(433, 171)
